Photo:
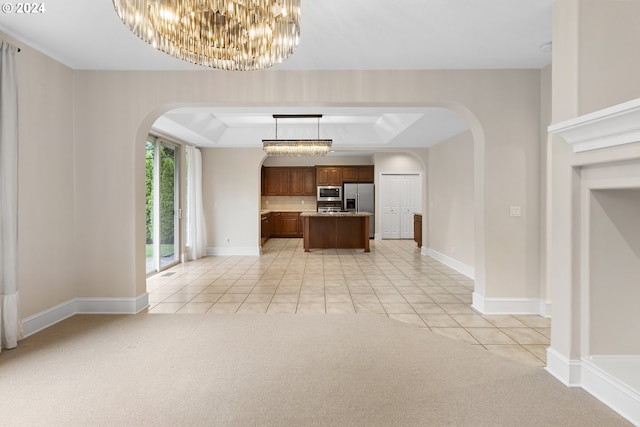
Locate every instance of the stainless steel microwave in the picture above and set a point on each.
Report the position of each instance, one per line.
(329, 193)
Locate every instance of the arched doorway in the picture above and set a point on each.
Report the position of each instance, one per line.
(256, 154)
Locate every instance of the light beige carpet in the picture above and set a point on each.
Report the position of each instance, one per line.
(274, 370)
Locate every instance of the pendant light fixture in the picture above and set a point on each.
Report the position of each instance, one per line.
(225, 34)
(297, 147)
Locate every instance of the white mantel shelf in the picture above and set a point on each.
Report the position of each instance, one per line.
(612, 126)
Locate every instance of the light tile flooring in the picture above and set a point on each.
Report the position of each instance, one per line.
(393, 280)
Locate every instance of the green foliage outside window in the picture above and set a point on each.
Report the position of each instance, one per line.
(167, 193)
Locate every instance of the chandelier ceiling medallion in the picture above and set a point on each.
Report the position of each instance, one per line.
(225, 34)
(297, 147)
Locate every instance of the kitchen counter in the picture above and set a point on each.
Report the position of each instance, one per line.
(336, 214)
(266, 211)
(335, 230)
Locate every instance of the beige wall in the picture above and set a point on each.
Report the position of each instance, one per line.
(46, 181)
(231, 198)
(450, 214)
(608, 61)
(105, 116)
(545, 121)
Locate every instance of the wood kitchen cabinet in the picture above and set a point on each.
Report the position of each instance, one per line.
(350, 174)
(286, 224)
(417, 229)
(287, 181)
(365, 173)
(322, 230)
(276, 181)
(302, 182)
(266, 226)
(357, 173)
(328, 175)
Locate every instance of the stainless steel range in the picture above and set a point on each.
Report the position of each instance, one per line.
(329, 206)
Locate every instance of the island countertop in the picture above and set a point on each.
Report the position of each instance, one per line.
(335, 214)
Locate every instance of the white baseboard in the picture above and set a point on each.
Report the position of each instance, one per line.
(228, 251)
(509, 305)
(48, 317)
(458, 266)
(587, 374)
(568, 372)
(545, 308)
(610, 390)
(112, 305)
(53, 315)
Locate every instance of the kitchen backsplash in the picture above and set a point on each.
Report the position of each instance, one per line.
(288, 203)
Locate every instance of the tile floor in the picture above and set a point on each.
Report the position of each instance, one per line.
(392, 280)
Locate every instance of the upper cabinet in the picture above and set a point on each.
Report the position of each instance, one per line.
(357, 174)
(302, 181)
(328, 175)
(285, 181)
(276, 181)
(365, 173)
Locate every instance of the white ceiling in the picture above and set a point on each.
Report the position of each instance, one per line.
(335, 35)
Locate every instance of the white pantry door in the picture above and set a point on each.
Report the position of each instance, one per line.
(399, 199)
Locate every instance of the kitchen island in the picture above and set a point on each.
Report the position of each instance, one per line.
(335, 230)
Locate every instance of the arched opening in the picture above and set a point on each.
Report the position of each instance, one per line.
(251, 159)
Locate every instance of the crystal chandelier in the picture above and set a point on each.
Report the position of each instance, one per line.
(296, 147)
(225, 34)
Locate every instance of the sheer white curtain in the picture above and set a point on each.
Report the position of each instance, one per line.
(196, 232)
(10, 323)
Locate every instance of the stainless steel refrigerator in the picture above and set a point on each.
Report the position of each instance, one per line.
(359, 198)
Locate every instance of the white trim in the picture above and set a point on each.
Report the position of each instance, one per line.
(460, 267)
(545, 308)
(609, 127)
(60, 312)
(112, 305)
(506, 305)
(568, 372)
(48, 317)
(228, 251)
(611, 391)
(596, 381)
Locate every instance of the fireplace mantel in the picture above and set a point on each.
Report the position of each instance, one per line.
(598, 200)
(610, 127)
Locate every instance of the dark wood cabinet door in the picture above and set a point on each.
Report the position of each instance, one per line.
(296, 187)
(309, 182)
(322, 176)
(365, 174)
(335, 176)
(302, 182)
(286, 224)
(277, 224)
(276, 181)
(350, 174)
(290, 225)
(329, 175)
